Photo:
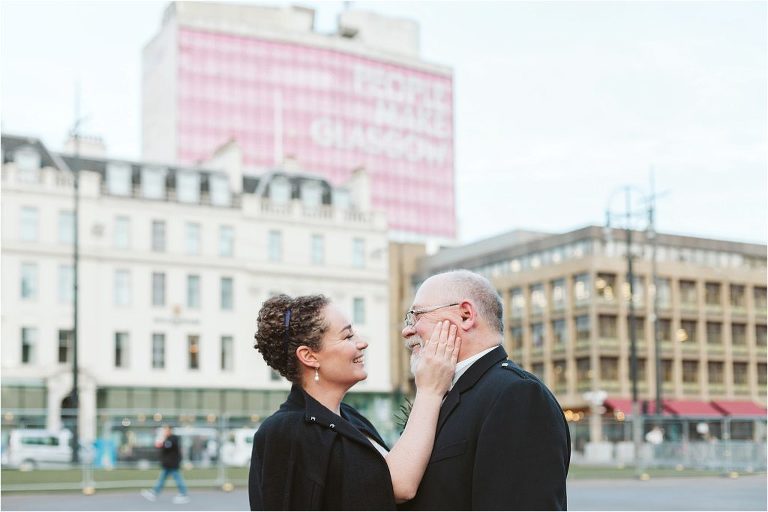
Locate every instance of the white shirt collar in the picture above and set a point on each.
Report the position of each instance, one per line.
(464, 365)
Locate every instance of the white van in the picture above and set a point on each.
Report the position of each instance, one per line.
(30, 448)
(236, 450)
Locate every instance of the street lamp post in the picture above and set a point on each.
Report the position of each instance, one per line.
(627, 218)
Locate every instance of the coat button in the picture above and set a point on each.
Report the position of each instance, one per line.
(332, 425)
(505, 364)
(312, 418)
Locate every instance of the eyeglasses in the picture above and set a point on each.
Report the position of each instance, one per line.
(410, 316)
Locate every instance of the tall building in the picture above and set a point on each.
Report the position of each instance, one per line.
(361, 97)
(174, 264)
(567, 318)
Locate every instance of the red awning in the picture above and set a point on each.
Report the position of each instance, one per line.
(692, 408)
(739, 408)
(625, 405)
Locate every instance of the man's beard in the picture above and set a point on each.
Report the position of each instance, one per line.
(415, 354)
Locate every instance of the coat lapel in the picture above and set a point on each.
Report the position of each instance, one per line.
(467, 381)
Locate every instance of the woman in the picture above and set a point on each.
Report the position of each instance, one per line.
(316, 452)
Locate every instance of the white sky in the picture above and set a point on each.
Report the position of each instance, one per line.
(557, 103)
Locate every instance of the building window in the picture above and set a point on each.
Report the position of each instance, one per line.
(582, 327)
(639, 328)
(558, 294)
(641, 369)
(318, 249)
(119, 178)
(538, 370)
(739, 334)
(358, 310)
(665, 329)
(538, 298)
(691, 371)
(192, 244)
(715, 372)
(517, 300)
(158, 350)
(122, 234)
(311, 193)
(561, 373)
(28, 224)
(666, 370)
(605, 287)
(609, 368)
(121, 350)
(583, 370)
(122, 295)
(688, 332)
(581, 288)
(638, 290)
(714, 333)
(280, 190)
(188, 187)
(158, 289)
(227, 354)
(537, 335)
(761, 375)
(28, 344)
(193, 351)
(760, 335)
(27, 159)
(737, 296)
(275, 246)
(712, 294)
(517, 337)
(227, 293)
(66, 284)
(219, 190)
(67, 227)
(153, 182)
(664, 292)
(158, 236)
(65, 344)
(193, 291)
(740, 376)
(606, 326)
(760, 300)
(28, 284)
(226, 241)
(560, 332)
(358, 252)
(688, 293)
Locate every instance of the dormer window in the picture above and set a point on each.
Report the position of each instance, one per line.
(219, 190)
(153, 182)
(280, 190)
(119, 178)
(311, 193)
(27, 159)
(341, 198)
(188, 187)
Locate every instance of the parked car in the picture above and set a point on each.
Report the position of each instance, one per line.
(236, 450)
(30, 448)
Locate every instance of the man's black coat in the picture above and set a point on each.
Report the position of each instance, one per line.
(305, 457)
(170, 452)
(502, 444)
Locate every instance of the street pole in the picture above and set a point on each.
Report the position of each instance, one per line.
(636, 420)
(75, 396)
(654, 271)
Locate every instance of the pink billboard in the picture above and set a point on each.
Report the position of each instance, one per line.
(330, 110)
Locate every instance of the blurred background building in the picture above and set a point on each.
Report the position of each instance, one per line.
(566, 320)
(262, 76)
(174, 264)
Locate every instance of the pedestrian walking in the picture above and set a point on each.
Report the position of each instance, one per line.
(170, 460)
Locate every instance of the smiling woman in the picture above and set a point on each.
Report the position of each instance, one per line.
(316, 452)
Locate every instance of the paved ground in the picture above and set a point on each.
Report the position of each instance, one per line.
(710, 493)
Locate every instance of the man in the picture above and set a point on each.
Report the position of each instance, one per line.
(502, 441)
(170, 460)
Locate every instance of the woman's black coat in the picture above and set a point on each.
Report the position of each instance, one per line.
(305, 457)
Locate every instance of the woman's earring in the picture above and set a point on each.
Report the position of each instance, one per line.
(317, 375)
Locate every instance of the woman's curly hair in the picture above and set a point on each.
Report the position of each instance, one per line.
(306, 325)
